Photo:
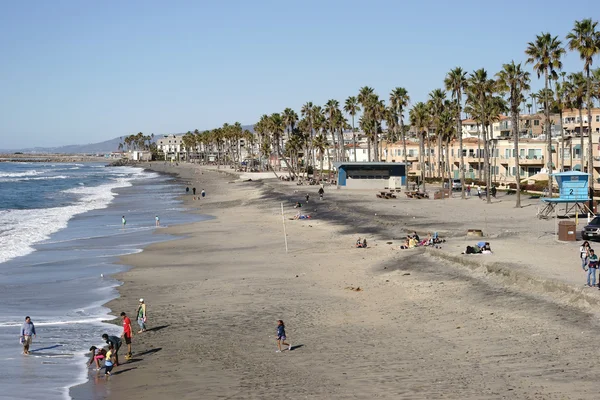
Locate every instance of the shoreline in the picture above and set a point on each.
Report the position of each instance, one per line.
(205, 298)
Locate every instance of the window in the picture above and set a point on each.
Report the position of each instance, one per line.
(597, 118)
(536, 122)
(364, 151)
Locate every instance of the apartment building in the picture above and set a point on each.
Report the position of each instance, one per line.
(533, 158)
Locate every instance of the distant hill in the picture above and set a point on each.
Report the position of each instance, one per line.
(92, 148)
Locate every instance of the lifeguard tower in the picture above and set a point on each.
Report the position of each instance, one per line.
(573, 193)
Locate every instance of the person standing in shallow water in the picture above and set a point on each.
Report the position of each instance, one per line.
(27, 334)
(157, 221)
(123, 221)
(187, 190)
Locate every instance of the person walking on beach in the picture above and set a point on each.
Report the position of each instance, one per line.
(141, 316)
(115, 342)
(321, 193)
(127, 334)
(307, 197)
(281, 336)
(194, 191)
(27, 334)
(203, 193)
(584, 254)
(187, 190)
(156, 221)
(468, 190)
(592, 267)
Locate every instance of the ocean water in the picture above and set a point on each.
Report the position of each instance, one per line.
(60, 230)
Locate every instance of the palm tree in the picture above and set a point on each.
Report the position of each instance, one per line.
(399, 100)
(391, 120)
(352, 108)
(419, 118)
(481, 88)
(514, 81)
(366, 98)
(585, 39)
(576, 93)
(545, 55)
(559, 104)
(456, 83)
(307, 111)
(331, 109)
(320, 143)
(436, 108)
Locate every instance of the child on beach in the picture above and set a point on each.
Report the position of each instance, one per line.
(281, 337)
(109, 362)
(97, 355)
(156, 221)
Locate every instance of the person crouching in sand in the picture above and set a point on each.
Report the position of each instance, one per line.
(281, 336)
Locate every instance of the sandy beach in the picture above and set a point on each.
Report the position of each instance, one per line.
(376, 322)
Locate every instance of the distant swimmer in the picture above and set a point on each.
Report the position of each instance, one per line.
(27, 333)
(123, 221)
(157, 221)
(203, 193)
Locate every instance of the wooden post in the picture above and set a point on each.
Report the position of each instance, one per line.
(284, 234)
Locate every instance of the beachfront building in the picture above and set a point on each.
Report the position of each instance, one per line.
(361, 152)
(171, 146)
(370, 175)
(567, 155)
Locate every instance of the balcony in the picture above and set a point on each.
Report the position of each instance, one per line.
(531, 160)
(411, 158)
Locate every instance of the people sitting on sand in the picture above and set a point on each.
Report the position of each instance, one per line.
(416, 236)
(361, 244)
(301, 216)
(479, 248)
(298, 205)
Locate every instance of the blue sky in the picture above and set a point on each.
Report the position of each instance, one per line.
(80, 72)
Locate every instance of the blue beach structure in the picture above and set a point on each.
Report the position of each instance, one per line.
(370, 175)
(573, 192)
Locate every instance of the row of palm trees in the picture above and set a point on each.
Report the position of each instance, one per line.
(300, 142)
(137, 141)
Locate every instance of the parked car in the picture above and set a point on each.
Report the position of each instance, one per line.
(456, 184)
(592, 230)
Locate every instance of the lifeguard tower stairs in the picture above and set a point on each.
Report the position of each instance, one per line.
(573, 193)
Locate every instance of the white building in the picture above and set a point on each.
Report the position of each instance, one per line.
(171, 146)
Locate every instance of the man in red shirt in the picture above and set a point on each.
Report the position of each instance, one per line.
(127, 334)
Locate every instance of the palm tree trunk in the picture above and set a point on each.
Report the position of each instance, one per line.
(581, 153)
(515, 130)
(369, 148)
(562, 142)
(590, 147)
(460, 145)
(404, 146)
(478, 152)
(353, 138)
(439, 157)
(486, 163)
(422, 157)
(548, 133)
(429, 171)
